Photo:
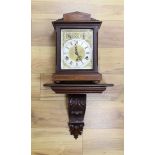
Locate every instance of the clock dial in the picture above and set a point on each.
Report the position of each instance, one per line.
(76, 49)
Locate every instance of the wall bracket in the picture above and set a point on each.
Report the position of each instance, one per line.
(76, 102)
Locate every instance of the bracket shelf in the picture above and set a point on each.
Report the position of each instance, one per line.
(76, 102)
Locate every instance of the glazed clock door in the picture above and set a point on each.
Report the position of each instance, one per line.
(77, 49)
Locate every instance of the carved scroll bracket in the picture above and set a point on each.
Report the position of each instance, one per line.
(76, 112)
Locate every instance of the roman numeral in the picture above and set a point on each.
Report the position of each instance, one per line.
(67, 47)
(66, 57)
(86, 58)
(83, 36)
(71, 62)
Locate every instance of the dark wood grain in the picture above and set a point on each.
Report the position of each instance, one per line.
(76, 16)
(77, 88)
(87, 24)
(76, 112)
(96, 77)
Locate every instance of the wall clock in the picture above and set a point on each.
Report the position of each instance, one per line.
(77, 48)
(77, 64)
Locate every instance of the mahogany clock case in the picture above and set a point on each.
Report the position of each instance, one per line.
(92, 24)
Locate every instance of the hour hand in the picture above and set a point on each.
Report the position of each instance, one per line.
(76, 52)
(78, 56)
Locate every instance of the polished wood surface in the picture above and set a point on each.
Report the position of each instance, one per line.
(81, 77)
(103, 131)
(77, 88)
(76, 16)
(91, 23)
